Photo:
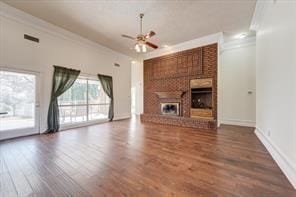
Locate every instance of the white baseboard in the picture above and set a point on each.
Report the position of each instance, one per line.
(122, 117)
(244, 123)
(280, 158)
(218, 123)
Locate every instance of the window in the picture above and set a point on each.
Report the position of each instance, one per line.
(84, 101)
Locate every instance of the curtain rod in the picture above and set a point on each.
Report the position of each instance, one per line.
(94, 75)
(83, 74)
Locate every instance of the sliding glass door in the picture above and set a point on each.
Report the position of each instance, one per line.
(18, 104)
(84, 102)
(73, 103)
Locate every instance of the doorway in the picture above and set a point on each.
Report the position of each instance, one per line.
(18, 104)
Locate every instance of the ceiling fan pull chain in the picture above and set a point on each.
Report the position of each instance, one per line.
(141, 23)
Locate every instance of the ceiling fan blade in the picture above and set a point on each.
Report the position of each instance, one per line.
(130, 37)
(150, 34)
(151, 45)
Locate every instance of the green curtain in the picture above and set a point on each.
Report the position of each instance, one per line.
(107, 84)
(63, 79)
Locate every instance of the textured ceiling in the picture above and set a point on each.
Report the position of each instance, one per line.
(103, 21)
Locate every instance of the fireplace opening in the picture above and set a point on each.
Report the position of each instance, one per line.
(201, 98)
(170, 109)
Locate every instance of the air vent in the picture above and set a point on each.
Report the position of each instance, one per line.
(116, 64)
(31, 38)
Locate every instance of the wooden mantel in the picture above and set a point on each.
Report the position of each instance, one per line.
(170, 95)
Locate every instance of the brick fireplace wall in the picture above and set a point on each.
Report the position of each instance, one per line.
(173, 72)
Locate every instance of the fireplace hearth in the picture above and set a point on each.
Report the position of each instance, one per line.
(171, 109)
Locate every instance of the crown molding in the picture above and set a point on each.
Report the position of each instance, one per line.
(210, 39)
(24, 18)
(238, 43)
(259, 13)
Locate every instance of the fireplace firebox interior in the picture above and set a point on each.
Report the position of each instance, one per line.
(170, 109)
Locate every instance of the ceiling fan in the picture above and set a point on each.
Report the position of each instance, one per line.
(141, 39)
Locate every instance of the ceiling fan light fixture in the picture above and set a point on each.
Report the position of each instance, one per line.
(137, 48)
(144, 48)
(141, 39)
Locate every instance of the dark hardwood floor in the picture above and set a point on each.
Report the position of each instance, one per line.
(129, 158)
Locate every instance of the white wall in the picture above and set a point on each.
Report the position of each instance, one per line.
(276, 82)
(59, 47)
(137, 84)
(237, 76)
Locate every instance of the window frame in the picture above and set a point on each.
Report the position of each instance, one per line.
(88, 122)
